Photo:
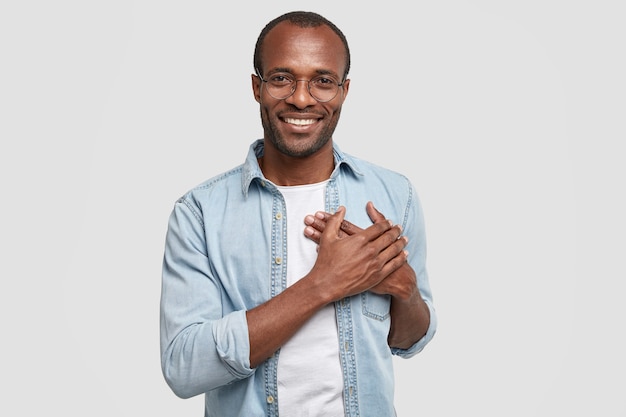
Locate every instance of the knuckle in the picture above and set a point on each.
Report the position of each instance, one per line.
(370, 252)
(382, 227)
(361, 239)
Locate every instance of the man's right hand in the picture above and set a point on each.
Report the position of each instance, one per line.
(352, 260)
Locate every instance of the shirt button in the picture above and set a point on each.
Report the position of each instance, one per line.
(270, 399)
(279, 260)
(279, 216)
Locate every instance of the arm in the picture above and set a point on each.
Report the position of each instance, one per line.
(344, 267)
(410, 315)
(201, 349)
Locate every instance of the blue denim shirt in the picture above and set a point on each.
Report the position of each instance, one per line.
(225, 253)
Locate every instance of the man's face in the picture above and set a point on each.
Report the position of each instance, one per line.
(299, 125)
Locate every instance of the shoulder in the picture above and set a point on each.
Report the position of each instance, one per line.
(213, 188)
(371, 172)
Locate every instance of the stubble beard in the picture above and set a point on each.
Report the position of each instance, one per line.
(275, 136)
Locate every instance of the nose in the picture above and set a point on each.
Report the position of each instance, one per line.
(301, 98)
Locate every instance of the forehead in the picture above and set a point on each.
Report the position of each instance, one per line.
(306, 50)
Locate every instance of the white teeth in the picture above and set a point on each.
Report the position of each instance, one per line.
(300, 122)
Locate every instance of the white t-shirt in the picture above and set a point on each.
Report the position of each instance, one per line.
(310, 381)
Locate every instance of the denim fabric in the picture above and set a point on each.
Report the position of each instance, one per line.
(226, 252)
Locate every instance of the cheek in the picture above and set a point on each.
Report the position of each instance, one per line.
(334, 111)
(266, 111)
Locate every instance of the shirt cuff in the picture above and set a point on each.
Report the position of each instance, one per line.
(420, 344)
(233, 343)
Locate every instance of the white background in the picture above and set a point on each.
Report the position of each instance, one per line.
(507, 116)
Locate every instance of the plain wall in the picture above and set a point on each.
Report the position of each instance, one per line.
(507, 116)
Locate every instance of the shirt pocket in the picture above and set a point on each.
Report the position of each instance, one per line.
(376, 306)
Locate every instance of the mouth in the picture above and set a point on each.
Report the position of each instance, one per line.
(299, 122)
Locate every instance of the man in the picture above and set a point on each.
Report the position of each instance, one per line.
(271, 305)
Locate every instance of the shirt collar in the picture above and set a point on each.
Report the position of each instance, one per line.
(252, 170)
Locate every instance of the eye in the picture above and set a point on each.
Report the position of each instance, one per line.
(324, 82)
(280, 79)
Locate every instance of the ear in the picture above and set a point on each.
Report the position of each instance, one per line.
(346, 86)
(256, 87)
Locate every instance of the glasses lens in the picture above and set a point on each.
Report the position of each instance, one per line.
(323, 88)
(280, 86)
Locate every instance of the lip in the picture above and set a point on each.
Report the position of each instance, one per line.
(300, 121)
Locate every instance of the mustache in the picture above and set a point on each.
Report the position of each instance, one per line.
(291, 109)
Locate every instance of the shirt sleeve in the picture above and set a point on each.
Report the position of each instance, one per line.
(200, 348)
(414, 228)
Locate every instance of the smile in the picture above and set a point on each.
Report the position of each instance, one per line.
(300, 122)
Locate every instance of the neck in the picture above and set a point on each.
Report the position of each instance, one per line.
(288, 171)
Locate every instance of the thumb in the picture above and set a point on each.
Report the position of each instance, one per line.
(333, 223)
(375, 215)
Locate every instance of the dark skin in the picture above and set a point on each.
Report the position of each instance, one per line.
(345, 266)
(410, 316)
(298, 150)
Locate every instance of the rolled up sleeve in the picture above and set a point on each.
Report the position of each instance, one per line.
(201, 347)
(414, 228)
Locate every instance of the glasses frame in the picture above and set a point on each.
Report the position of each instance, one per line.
(295, 86)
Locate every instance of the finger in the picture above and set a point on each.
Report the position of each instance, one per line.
(314, 228)
(333, 224)
(375, 215)
(384, 229)
(318, 221)
(387, 246)
(391, 237)
(395, 255)
(349, 228)
(346, 226)
(392, 258)
(313, 234)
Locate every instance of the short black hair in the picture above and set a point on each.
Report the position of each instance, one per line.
(304, 20)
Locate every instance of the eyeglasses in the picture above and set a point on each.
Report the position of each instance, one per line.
(322, 88)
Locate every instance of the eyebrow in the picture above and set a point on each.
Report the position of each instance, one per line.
(290, 71)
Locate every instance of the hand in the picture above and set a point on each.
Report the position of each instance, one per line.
(350, 259)
(401, 283)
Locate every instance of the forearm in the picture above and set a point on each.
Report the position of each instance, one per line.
(273, 323)
(344, 267)
(199, 357)
(410, 315)
(410, 320)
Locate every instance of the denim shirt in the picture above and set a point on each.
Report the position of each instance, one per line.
(226, 253)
